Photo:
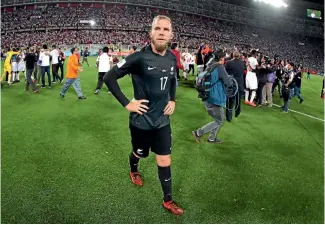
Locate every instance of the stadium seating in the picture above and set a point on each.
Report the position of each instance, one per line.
(60, 24)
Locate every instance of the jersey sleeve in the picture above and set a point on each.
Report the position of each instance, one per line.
(127, 65)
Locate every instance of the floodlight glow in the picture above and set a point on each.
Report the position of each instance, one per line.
(92, 23)
(275, 3)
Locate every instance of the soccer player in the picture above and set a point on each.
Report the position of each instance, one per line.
(14, 66)
(21, 65)
(251, 79)
(72, 76)
(153, 71)
(186, 56)
(105, 63)
(7, 65)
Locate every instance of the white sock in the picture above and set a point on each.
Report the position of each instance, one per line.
(13, 76)
(17, 76)
(185, 74)
(253, 96)
(246, 95)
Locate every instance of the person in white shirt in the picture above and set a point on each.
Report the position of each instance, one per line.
(251, 79)
(45, 65)
(55, 64)
(104, 65)
(186, 57)
(191, 64)
(21, 65)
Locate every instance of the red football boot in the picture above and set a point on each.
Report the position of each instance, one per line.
(172, 207)
(136, 179)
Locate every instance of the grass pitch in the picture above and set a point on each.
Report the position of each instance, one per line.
(66, 161)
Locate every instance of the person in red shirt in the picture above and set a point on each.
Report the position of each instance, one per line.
(174, 50)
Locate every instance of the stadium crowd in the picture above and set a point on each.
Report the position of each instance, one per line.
(61, 25)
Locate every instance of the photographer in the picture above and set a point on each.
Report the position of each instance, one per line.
(279, 74)
(236, 68)
(217, 99)
(287, 86)
(297, 84)
(267, 89)
(264, 63)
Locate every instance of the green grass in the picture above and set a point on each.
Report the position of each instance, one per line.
(66, 161)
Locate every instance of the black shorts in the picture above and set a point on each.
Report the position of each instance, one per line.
(158, 140)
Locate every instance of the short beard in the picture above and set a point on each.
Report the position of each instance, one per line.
(160, 48)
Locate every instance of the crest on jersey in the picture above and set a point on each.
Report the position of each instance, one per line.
(120, 64)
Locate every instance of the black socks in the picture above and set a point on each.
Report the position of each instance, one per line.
(165, 178)
(134, 163)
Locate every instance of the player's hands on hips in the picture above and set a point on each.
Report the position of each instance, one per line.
(169, 109)
(137, 106)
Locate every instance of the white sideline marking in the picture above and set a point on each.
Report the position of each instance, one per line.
(301, 113)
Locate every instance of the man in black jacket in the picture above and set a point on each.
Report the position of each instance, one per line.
(30, 64)
(235, 67)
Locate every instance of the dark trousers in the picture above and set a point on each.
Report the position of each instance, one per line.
(322, 91)
(260, 93)
(55, 72)
(85, 59)
(100, 80)
(60, 67)
(234, 101)
(286, 94)
(46, 69)
(177, 72)
(29, 81)
(191, 69)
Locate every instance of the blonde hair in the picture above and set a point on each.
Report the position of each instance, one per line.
(160, 17)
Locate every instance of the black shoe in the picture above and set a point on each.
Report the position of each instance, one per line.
(61, 95)
(96, 92)
(229, 120)
(237, 114)
(301, 100)
(82, 97)
(215, 141)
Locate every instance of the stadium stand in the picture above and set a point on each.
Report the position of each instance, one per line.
(26, 22)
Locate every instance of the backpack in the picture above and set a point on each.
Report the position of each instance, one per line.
(203, 82)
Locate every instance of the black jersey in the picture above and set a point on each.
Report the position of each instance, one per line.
(153, 78)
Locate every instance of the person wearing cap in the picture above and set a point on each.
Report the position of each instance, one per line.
(216, 102)
(235, 67)
(72, 75)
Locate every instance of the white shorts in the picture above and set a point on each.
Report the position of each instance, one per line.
(251, 81)
(186, 66)
(14, 67)
(21, 66)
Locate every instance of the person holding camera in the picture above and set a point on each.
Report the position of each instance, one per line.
(216, 101)
(262, 78)
(235, 67)
(267, 89)
(297, 84)
(287, 86)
